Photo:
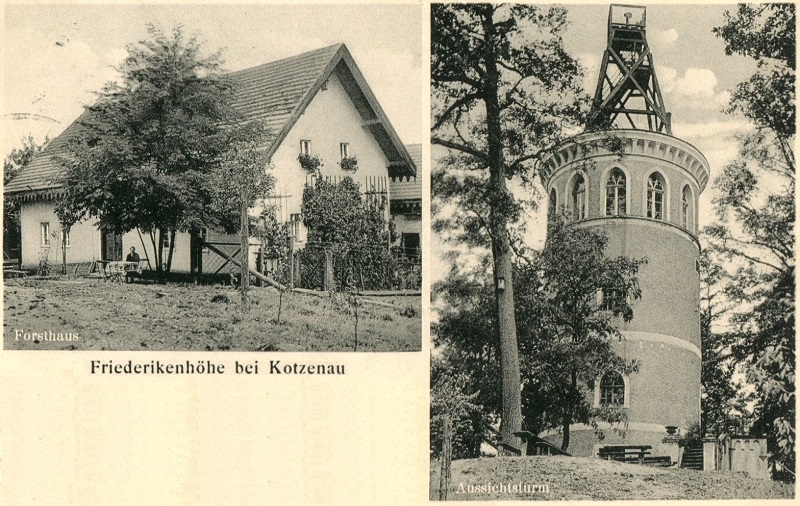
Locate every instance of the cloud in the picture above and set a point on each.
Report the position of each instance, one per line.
(665, 37)
(695, 89)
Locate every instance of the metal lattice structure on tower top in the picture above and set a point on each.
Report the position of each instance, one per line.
(627, 94)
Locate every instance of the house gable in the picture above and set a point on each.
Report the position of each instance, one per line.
(276, 93)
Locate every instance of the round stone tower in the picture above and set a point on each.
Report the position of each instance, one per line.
(643, 194)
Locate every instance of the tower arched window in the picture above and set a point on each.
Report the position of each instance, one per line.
(615, 193)
(579, 197)
(612, 389)
(655, 196)
(686, 207)
(552, 208)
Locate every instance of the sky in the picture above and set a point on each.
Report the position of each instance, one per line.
(695, 77)
(56, 56)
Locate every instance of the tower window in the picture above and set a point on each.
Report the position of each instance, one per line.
(579, 197)
(615, 193)
(655, 196)
(612, 389)
(686, 207)
(552, 205)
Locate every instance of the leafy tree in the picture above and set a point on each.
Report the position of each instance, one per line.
(503, 90)
(567, 336)
(756, 212)
(237, 182)
(450, 406)
(18, 159)
(352, 229)
(723, 401)
(146, 149)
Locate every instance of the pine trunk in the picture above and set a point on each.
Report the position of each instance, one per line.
(511, 420)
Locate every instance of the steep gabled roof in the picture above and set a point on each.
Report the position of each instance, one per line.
(276, 93)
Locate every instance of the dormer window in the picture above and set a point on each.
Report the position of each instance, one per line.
(305, 147)
(344, 150)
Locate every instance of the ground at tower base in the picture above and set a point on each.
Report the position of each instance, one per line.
(577, 478)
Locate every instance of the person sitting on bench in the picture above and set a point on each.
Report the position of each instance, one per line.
(132, 256)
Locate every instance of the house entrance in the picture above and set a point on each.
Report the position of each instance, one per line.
(111, 246)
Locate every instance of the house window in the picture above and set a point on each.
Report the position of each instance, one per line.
(65, 238)
(410, 243)
(612, 389)
(296, 226)
(686, 207)
(655, 196)
(344, 150)
(553, 204)
(45, 230)
(579, 197)
(324, 85)
(164, 239)
(612, 299)
(615, 193)
(305, 147)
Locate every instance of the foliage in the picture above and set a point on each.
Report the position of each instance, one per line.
(692, 437)
(349, 163)
(151, 150)
(309, 163)
(14, 162)
(451, 398)
(754, 236)
(503, 91)
(566, 337)
(353, 230)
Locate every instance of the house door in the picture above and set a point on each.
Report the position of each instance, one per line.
(111, 245)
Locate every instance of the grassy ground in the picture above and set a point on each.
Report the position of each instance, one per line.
(575, 478)
(115, 316)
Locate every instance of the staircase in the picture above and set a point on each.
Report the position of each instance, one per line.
(693, 457)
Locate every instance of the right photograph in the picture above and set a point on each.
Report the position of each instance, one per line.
(613, 286)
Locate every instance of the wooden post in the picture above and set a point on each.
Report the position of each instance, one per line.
(444, 472)
(260, 264)
(245, 271)
(327, 282)
(291, 262)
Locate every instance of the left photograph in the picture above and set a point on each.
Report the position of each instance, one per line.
(202, 178)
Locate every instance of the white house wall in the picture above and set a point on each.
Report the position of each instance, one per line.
(329, 120)
(84, 237)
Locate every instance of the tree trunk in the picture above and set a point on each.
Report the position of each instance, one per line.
(154, 240)
(245, 264)
(511, 420)
(171, 250)
(447, 447)
(567, 420)
(160, 251)
(64, 233)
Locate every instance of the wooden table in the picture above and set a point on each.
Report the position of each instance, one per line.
(116, 270)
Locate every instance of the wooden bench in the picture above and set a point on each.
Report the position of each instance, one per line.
(14, 273)
(625, 453)
(658, 461)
